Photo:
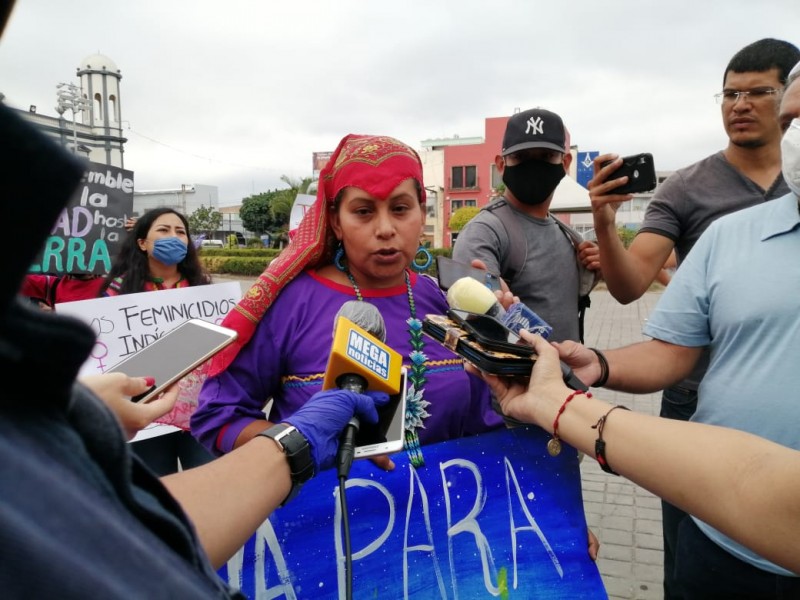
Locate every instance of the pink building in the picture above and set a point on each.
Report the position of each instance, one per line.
(469, 176)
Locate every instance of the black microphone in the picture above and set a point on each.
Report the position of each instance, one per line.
(359, 361)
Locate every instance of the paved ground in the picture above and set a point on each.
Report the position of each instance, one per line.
(625, 517)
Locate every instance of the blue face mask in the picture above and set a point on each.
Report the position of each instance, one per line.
(169, 250)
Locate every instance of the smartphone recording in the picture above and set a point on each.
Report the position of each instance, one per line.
(449, 271)
(490, 332)
(175, 354)
(387, 435)
(640, 170)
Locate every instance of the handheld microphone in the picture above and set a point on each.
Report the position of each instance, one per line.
(469, 294)
(359, 360)
(473, 296)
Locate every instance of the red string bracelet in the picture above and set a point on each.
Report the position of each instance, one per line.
(554, 445)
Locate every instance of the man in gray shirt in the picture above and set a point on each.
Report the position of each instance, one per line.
(534, 158)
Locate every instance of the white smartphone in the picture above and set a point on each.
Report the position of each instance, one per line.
(175, 355)
(387, 436)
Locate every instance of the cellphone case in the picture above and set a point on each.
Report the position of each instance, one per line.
(461, 318)
(641, 172)
(451, 335)
(387, 435)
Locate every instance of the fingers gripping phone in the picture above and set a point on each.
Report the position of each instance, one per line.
(641, 173)
(175, 355)
(450, 271)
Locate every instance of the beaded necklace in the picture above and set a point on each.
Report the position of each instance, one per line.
(415, 403)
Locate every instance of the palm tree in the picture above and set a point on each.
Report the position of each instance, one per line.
(281, 205)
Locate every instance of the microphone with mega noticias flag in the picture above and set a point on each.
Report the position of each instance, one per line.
(470, 294)
(360, 361)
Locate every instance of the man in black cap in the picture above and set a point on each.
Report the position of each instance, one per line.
(544, 262)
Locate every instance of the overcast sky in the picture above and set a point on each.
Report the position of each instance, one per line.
(237, 93)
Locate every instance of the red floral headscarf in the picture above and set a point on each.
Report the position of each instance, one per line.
(375, 164)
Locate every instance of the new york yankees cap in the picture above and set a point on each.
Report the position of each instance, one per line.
(534, 128)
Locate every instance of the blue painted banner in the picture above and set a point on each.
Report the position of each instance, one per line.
(585, 170)
(487, 516)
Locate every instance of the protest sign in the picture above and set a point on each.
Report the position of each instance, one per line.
(127, 323)
(89, 230)
(488, 516)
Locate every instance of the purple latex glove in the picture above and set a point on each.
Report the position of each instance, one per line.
(323, 418)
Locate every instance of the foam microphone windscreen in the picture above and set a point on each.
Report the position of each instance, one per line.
(471, 295)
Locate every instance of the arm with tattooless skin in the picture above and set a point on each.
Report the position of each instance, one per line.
(691, 465)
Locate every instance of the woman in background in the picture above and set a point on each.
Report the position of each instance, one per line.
(159, 255)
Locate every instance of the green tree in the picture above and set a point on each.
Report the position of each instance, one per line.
(298, 185)
(280, 206)
(269, 212)
(283, 200)
(626, 234)
(205, 220)
(255, 213)
(461, 217)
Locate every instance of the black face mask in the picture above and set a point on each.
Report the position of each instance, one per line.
(533, 181)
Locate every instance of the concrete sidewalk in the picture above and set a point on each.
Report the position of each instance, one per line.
(625, 517)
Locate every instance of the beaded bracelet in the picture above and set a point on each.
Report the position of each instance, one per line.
(600, 444)
(554, 445)
(603, 379)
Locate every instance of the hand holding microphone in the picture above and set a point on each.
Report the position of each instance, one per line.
(469, 294)
(472, 296)
(322, 419)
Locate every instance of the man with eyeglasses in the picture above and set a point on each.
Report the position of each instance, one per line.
(746, 173)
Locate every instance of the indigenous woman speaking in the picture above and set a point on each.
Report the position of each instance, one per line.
(357, 242)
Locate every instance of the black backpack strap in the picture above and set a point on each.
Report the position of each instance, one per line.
(588, 279)
(512, 262)
(584, 302)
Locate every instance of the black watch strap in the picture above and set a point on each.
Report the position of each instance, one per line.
(298, 454)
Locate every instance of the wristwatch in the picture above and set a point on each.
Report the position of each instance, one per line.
(298, 453)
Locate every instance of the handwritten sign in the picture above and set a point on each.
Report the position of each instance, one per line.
(487, 516)
(125, 324)
(90, 229)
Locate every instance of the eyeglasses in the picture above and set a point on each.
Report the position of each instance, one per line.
(754, 95)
